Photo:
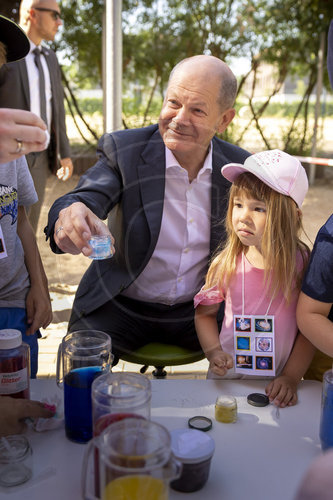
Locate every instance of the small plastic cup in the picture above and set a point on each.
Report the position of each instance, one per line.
(15, 460)
(101, 246)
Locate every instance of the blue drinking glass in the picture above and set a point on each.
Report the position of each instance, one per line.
(82, 355)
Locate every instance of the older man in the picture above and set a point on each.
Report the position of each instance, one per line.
(164, 197)
(34, 84)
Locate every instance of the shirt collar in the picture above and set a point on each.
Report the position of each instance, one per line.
(170, 160)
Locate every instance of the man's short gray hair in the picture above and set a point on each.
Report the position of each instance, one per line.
(228, 85)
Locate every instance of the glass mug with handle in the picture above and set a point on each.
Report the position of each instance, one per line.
(83, 355)
(135, 461)
(116, 396)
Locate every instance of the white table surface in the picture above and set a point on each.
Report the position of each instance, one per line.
(258, 457)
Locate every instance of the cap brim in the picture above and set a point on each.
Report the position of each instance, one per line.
(14, 38)
(232, 170)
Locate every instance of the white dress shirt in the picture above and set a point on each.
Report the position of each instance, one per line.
(33, 75)
(176, 270)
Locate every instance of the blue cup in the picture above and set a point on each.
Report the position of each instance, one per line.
(326, 420)
(82, 356)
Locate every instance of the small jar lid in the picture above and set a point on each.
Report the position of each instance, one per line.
(9, 339)
(191, 446)
(200, 423)
(258, 399)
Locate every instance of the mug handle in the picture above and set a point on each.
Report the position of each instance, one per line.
(87, 495)
(59, 378)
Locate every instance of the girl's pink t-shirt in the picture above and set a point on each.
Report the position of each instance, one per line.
(256, 303)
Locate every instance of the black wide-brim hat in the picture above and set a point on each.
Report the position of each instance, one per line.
(16, 41)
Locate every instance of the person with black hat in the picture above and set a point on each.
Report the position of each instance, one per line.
(24, 297)
(21, 132)
(34, 84)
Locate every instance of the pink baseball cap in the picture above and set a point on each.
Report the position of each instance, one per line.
(279, 170)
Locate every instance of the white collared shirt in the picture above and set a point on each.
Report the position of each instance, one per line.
(33, 75)
(176, 270)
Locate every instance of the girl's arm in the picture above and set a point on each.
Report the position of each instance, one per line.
(312, 320)
(38, 303)
(208, 334)
(283, 389)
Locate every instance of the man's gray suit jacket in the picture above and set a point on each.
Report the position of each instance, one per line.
(127, 185)
(15, 94)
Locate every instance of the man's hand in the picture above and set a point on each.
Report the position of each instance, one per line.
(65, 172)
(13, 412)
(74, 228)
(21, 132)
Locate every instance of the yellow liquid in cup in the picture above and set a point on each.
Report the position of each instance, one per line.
(136, 488)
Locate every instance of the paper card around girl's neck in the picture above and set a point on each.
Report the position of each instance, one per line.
(254, 345)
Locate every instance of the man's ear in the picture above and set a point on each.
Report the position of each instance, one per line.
(226, 117)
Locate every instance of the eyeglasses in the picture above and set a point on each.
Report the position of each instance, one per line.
(55, 14)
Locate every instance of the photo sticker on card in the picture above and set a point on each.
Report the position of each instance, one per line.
(263, 325)
(243, 343)
(244, 361)
(264, 344)
(264, 363)
(242, 324)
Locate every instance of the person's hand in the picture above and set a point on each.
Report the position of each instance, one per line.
(39, 309)
(220, 362)
(13, 412)
(65, 172)
(282, 391)
(74, 228)
(21, 132)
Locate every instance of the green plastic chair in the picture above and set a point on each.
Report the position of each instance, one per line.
(161, 355)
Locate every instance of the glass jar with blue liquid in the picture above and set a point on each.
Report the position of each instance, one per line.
(82, 356)
(326, 420)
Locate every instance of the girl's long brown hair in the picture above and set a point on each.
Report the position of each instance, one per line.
(280, 242)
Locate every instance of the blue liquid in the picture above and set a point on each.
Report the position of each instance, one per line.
(326, 423)
(78, 405)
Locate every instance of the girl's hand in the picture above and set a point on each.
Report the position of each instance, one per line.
(39, 310)
(220, 362)
(282, 391)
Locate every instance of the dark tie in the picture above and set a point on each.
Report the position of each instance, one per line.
(42, 98)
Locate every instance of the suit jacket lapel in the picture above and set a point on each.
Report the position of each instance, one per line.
(25, 81)
(151, 174)
(219, 199)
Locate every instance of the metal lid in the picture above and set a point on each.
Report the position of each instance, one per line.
(200, 423)
(258, 399)
(191, 446)
(9, 339)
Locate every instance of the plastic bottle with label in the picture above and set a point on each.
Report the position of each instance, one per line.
(14, 365)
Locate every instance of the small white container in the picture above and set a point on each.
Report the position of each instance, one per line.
(194, 449)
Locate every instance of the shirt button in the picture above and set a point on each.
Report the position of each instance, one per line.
(186, 250)
(180, 280)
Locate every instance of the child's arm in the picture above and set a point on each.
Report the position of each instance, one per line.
(312, 320)
(208, 334)
(38, 303)
(283, 389)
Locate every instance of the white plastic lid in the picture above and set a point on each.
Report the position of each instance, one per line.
(191, 446)
(9, 339)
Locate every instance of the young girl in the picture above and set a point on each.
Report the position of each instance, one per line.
(258, 275)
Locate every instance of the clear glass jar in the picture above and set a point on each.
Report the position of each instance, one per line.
(15, 460)
(226, 409)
